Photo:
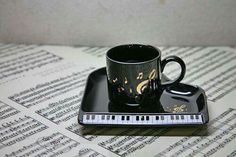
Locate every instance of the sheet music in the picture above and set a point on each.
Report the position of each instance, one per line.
(41, 89)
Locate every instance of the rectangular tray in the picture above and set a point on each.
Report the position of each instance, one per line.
(183, 105)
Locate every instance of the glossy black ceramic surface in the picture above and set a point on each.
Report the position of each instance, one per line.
(174, 100)
(131, 72)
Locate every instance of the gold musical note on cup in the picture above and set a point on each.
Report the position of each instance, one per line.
(126, 81)
(114, 81)
(152, 74)
(141, 86)
(140, 76)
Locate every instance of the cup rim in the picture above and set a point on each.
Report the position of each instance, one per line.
(133, 63)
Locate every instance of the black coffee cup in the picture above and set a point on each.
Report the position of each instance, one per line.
(134, 72)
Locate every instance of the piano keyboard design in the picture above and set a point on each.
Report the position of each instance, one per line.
(143, 119)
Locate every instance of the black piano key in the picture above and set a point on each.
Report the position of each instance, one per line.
(147, 117)
(122, 117)
(103, 117)
(197, 117)
(108, 117)
(127, 117)
(162, 117)
(137, 118)
(87, 117)
(157, 117)
(172, 117)
(177, 117)
(113, 117)
(191, 116)
(93, 117)
(182, 116)
(142, 118)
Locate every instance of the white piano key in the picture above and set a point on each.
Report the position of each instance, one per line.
(200, 119)
(190, 119)
(165, 120)
(171, 119)
(178, 119)
(145, 121)
(124, 121)
(185, 121)
(150, 119)
(154, 121)
(89, 119)
(175, 120)
(97, 119)
(158, 120)
(100, 119)
(107, 119)
(132, 118)
(197, 118)
(119, 119)
(161, 119)
(94, 119)
(84, 119)
(114, 119)
(139, 121)
(194, 119)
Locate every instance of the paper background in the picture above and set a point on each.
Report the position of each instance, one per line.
(98, 22)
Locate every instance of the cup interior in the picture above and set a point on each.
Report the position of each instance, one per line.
(134, 53)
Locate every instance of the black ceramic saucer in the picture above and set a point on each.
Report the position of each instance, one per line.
(181, 104)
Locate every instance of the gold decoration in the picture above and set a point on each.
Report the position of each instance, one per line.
(126, 81)
(120, 89)
(179, 108)
(130, 90)
(114, 81)
(140, 76)
(152, 74)
(141, 86)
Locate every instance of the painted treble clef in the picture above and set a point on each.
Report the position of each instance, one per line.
(142, 85)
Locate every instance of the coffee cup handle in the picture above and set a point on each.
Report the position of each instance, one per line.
(182, 65)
